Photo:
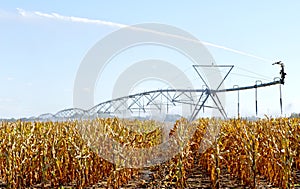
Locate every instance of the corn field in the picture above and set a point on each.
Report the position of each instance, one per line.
(57, 154)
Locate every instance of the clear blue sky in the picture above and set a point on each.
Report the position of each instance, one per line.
(39, 57)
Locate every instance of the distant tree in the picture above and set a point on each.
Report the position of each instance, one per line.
(295, 115)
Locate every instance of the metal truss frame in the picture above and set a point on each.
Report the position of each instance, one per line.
(142, 102)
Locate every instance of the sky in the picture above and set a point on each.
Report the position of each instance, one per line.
(42, 44)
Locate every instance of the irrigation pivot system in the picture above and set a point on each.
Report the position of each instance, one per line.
(162, 100)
